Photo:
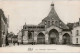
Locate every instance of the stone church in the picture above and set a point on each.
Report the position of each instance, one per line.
(50, 31)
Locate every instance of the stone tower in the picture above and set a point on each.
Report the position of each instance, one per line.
(53, 19)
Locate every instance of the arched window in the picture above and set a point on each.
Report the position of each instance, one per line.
(60, 24)
(48, 23)
(52, 22)
(56, 23)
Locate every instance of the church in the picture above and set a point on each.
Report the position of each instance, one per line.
(50, 31)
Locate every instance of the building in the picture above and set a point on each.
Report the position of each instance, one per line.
(10, 36)
(3, 28)
(19, 37)
(76, 33)
(15, 39)
(29, 33)
(50, 31)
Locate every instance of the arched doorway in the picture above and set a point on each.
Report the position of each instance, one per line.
(53, 36)
(66, 38)
(41, 38)
(29, 35)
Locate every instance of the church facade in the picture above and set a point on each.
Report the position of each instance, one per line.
(50, 31)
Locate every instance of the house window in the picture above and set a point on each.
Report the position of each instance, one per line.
(77, 32)
(76, 40)
(78, 23)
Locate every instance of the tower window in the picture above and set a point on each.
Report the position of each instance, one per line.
(56, 23)
(48, 23)
(52, 22)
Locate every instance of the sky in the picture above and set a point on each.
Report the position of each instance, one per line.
(33, 11)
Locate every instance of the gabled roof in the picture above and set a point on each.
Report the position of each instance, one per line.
(76, 24)
(70, 25)
(53, 15)
(42, 24)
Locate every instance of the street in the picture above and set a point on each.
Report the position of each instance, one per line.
(40, 48)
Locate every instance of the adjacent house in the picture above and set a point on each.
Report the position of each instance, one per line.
(3, 28)
(76, 33)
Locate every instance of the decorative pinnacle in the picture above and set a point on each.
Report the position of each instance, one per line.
(25, 23)
(52, 4)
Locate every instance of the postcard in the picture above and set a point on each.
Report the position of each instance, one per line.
(39, 26)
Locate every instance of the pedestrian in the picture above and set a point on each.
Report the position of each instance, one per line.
(3, 39)
(18, 43)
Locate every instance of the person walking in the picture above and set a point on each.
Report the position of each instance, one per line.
(3, 39)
